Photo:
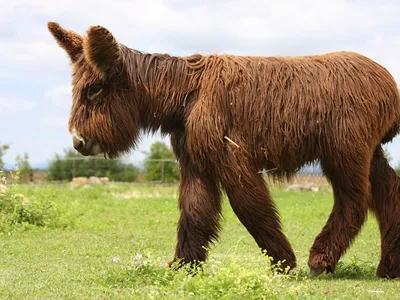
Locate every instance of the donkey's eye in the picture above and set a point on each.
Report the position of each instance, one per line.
(93, 91)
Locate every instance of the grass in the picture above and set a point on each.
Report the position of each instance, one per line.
(115, 242)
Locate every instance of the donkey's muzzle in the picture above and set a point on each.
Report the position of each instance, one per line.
(84, 146)
(79, 143)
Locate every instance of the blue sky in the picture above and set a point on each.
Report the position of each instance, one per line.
(35, 91)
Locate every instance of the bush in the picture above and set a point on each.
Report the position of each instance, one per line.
(18, 210)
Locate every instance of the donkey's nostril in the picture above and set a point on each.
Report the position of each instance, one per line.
(78, 143)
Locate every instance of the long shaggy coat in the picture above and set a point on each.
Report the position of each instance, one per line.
(231, 116)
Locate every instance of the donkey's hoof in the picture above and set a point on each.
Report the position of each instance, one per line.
(314, 272)
(390, 275)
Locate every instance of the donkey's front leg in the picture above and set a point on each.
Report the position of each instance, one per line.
(200, 207)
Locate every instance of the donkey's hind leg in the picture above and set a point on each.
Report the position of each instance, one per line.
(349, 176)
(385, 203)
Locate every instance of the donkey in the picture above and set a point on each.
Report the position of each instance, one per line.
(231, 116)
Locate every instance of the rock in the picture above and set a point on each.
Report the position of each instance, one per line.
(105, 180)
(303, 187)
(79, 181)
(315, 188)
(94, 180)
(86, 182)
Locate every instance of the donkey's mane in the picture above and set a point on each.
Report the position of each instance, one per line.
(172, 76)
(163, 75)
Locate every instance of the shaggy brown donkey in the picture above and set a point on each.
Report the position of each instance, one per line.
(231, 116)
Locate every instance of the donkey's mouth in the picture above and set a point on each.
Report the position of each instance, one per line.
(85, 146)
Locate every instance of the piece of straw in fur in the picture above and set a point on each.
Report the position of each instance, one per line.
(232, 142)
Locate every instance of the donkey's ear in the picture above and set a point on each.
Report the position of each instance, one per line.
(102, 50)
(70, 41)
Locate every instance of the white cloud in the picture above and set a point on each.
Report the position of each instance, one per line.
(27, 58)
(55, 122)
(60, 96)
(59, 90)
(10, 106)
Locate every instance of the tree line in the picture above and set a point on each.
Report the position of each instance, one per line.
(159, 165)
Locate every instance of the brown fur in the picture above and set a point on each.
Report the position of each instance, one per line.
(70, 41)
(101, 51)
(230, 116)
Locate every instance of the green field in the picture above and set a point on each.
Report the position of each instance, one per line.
(115, 241)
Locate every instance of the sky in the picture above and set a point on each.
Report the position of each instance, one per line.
(35, 74)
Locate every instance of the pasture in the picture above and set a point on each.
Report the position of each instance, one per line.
(114, 241)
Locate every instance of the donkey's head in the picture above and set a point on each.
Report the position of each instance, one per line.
(104, 116)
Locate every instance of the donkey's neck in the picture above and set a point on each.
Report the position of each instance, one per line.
(165, 87)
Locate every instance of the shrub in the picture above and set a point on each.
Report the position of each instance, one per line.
(16, 210)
